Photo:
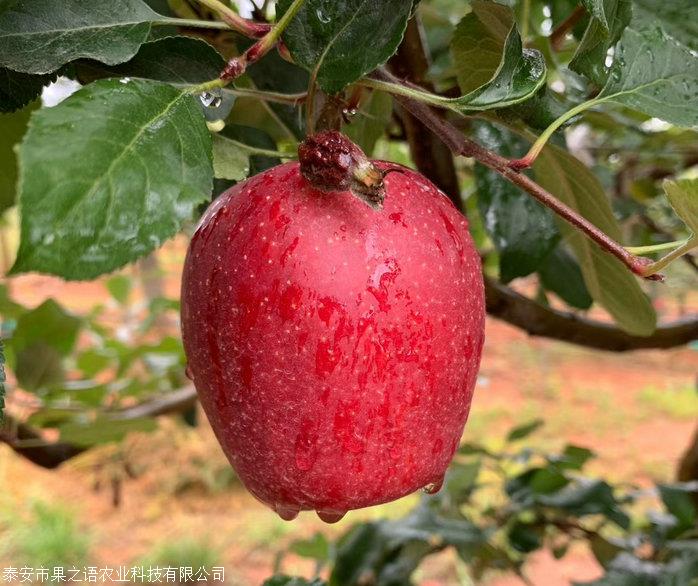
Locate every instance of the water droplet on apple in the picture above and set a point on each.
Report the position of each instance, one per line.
(210, 99)
(189, 373)
(434, 487)
(287, 512)
(124, 80)
(331, 516)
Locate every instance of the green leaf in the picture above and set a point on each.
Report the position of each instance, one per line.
(560, 273)
(523, 231)
(371, 121)
(254, 137)
(42, 338)
(18, 89)
(524, 430)
(679, 501)
(38, 366)
(344, 40)
(609, 282)
(683, 196)
(230, 159)
(103, 430)
(7, 4)
(610, 17)
(492, 67)
(92, 361)
(36, 37)
(677, 18)
(317, 547)
(527, 487)
(604, 551)
(134, 162)
(391, 550)
(175, 60)
(525, 537)
(13, 128)
(49, 323)
(588, 498)
(574, 457)
(119, 287)
(653, 71)
(601, 11)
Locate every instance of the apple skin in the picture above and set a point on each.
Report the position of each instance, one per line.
(334, 347)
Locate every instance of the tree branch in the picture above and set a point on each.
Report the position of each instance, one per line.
(30, 444)
(558, 35)
(431, 156)
(461, 145)
(538, 320)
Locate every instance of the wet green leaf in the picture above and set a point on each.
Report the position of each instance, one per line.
(609, 282)
(523, 231)
(683, 196)
(230, 159)
(114, 190)
(344, 40)
(13, 128)
(39, 37)
(493, 68)
(176, 60)
(601, 10)
(655, 69)
(610, 17)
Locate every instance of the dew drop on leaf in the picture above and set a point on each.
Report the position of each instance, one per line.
(322, 17)
(210, 99)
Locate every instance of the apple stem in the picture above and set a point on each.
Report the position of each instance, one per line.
(329, 161)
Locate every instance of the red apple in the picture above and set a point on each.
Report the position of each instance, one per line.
(334, 346)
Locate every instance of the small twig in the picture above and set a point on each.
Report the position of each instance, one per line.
(461, 145)
(558, 35)
(274, 97)
(653, 268)
(249, 28)
(237, 65)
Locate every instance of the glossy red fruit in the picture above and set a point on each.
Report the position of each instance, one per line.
(334, 347)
